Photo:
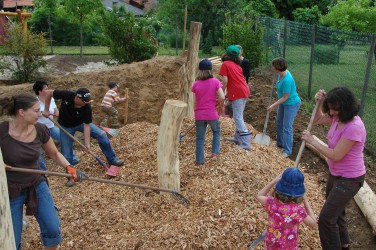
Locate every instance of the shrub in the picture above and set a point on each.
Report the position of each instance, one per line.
(26, 51)
(326, 54)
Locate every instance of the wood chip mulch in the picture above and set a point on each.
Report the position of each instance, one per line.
(223, 211)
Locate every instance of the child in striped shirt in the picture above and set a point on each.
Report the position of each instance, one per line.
(108, 108)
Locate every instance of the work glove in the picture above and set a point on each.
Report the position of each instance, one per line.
(77, 174)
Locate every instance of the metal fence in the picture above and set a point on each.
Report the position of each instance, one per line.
(322, 57)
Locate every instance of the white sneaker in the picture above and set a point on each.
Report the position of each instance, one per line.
(284, 155)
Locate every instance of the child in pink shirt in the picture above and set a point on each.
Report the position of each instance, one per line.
(285, 211)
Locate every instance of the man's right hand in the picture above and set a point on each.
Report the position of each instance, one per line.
(46, 113)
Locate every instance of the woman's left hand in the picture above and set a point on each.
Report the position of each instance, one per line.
(307, 136)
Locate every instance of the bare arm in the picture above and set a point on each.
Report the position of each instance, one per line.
(279, 101)
(221, 94)
(311, 219)
(87, 135)
(262, 194)
(47, 101)
(224, 83)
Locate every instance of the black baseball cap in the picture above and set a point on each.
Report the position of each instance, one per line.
(84, 94)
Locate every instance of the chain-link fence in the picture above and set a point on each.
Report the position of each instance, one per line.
(321, 58)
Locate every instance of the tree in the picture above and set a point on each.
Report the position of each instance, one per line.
(286, 7)
(353, 15)
(129, 39)
(80, 9)
(23, 53)
(253, 8)
(307, 15)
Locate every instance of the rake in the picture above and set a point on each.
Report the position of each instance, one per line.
(177, 196)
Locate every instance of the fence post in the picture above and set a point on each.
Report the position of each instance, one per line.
(267, 40)
(367, 76)
(284, 38)
(313, 38)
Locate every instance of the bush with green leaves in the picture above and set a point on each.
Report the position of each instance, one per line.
(129, 39)
(326, 54)
(248, 34)
(23, 53)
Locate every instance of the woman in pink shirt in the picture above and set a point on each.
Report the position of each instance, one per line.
(346, 139)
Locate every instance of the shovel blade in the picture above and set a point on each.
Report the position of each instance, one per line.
(262, 139)
(113, 171)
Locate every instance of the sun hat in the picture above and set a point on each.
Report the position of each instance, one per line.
(233, 50)
(113, 85)
(205, 64)
(291, 183)
(84, 94)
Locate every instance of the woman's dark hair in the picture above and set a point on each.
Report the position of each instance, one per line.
(38, 86)
(279, 64)
(342, 100)
(21, 101)
(235, 59)
(287, 199)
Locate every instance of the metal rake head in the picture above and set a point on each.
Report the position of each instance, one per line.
(180, 198)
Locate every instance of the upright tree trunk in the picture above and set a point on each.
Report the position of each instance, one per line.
(50, 32)
(81, 34)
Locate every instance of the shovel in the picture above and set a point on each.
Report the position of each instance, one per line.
(261, 237)
(182, 135)
(264, 139)
(112, 171)
(174, 194)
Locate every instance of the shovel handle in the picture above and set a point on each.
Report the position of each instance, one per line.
(302, 146)
(270, 103)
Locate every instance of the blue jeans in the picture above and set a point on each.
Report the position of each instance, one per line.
(238, 107)
(285, 120)
(95, 132)
(46, 216)
(200, 138)
(55, 134)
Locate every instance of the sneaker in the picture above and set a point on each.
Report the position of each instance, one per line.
(285, 155)
(198, 164)
(69, 183)
(118, 162)
(215, 155)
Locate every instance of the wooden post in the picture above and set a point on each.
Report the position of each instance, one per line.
(365, 198)
(126, 106)
(6, 226)
(173, 114)
(188, 70)
(185, 28)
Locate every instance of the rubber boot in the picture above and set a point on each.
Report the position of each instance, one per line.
(245, 139)
(235, 139)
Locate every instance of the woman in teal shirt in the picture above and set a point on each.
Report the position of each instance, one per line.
(288, 105)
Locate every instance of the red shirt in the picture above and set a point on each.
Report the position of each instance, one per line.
(237, 87)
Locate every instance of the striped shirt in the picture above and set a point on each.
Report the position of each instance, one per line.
(109, 98)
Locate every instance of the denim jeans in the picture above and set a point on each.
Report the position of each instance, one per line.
(200, 138)
(46, 216)
(332, 223)
(55, 134)
(285, 120)
(95, 132)
(238, 107)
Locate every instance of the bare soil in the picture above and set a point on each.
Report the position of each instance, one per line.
(223, 213)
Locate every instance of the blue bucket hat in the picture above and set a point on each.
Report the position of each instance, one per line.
(205, 64)
(233, 50)
(292, 183)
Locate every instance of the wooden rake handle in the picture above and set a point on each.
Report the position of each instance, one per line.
(302, 146)
(270, 103)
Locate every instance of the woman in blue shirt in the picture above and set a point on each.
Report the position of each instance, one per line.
(288, 105)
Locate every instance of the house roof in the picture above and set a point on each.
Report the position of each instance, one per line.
(129, 8)
(13, 3)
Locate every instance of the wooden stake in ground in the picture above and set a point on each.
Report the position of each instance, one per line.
(189, 69)
(126, 106)
(6, 226)
(173, 114)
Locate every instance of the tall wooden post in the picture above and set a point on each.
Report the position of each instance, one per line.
(126, 106)
(173, 114)
(185, 27)
(188, 70)
(6, 227)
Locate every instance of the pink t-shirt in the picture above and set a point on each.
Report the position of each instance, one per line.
(284, 218)
(206, 98)
(237, 87)
(352, 164)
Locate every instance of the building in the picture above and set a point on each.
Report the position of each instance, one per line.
(142, 4)
(13, 5)
(110, 4)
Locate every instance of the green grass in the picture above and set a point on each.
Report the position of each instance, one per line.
(75, 50)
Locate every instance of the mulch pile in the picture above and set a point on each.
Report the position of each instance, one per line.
(223, 212)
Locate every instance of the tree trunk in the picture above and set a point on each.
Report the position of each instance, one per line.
(173, 114)
(189, 70)
(81, 34)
